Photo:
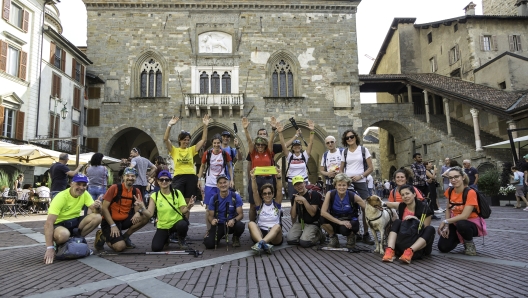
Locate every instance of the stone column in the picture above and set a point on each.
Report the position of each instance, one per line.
(512, 124)
(409, 93)
(395, 98)
(476, 127)
(426, 100)
(448, 119)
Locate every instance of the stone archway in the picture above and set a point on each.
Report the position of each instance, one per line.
(121, 143)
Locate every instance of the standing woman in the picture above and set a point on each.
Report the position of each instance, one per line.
(462, 222)
(170, 207)
(518, 179)
(185, 179)
(357, 167)
(97, 175)
(297, 158)
(430, 171)
(18, 182)
(266, 231)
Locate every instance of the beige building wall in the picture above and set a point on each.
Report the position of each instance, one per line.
(499, 7)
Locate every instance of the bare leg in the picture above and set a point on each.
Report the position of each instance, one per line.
(61, 235)
(89, 223)
(328, 228)
(254, 231)
(274, 235)
(391, 242)
(252, 212)
(419, 244)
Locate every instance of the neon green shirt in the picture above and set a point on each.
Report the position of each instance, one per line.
(67, 207)
(183, 160)
(167, 217)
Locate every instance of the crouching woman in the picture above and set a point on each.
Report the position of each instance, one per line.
(266, 231)
(340, 212)
(410, 238)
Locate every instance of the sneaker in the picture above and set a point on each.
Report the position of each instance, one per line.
(470, 249)
(389, 255)
(256, 247)
(236, 241)
(439, 211)
(128, 242)
(525, 209)
(99, 240)
(268, 248)
(366, 239)
(182, 243)
(334, 242)
(407, 256)
(351, 241)
(359, 237)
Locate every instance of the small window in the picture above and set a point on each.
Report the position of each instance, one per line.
(94, 92)
(502, 85)
(13, 58)
(455, 73)
(455, 28)
(373, 155)
(430, 37)
(453, 55)
(425, 148)
(16, 15)
(56, 82)
(488, 43)
(8, 127)
(515, 43)
(432, 64)
(151, 79)
(282, 80)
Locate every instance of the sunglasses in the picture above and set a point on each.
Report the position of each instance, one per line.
(267, 193)
(454, 177)
(164, 180)
(328, 143)
(135, 150)
(350, 137)
(260, 144)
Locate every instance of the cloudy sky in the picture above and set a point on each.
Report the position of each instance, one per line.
(373, 20)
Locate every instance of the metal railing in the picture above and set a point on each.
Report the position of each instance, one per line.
(231, 99)
(66, 146)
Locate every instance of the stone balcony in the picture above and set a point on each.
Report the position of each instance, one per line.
(220, 102)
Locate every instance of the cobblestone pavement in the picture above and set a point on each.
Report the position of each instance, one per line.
(497, 271)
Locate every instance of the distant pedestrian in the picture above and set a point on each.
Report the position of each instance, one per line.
(518, 181)
(59, 173)
(444, 168)
(472, 173)
(141, 165)
(420, 174)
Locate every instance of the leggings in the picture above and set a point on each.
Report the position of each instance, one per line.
(162, 235)
(427, 233)
(213, 233)
(465, 228)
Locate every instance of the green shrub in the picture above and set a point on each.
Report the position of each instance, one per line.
(490, 182)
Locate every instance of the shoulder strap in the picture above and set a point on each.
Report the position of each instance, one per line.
(215, 202)
(224, 162)
(401, 210)
(394, 194)
(289, 162)
(345, 151)
(449, 191)
(117, 197)
(365, 165)
(464, 195)
(208, 160)
(324, 160)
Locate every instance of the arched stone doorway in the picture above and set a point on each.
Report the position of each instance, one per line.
(122, 142)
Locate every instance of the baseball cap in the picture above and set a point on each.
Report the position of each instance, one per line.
(165, 173)
(129, 170)
(296, 142)
(221, 176)
(297, 179)
(526, 156)
(80, 178)
(226, 133)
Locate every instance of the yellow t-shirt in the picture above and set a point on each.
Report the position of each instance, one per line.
(167, 217)
(183, 160)
(67, 207)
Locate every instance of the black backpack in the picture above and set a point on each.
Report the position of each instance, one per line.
(365, 164)
(216, 203)
(485, 210)
(208, 160)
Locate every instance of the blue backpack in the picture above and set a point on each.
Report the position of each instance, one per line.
(74, 248)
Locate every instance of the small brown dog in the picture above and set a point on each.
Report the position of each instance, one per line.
(378, 219)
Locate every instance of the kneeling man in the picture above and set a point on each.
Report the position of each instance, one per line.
(64, 218)
(123, 208)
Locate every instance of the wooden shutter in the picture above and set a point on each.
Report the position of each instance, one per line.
(451, 58)
(94, 92)
(76, 98)
(63, 60)
(73, 69)
(25, 21)
(82, 75)
(519, 47)
(19, 135)
(93, 117)
(52, 53)
(482, 42)
(75, 132)
(93, 143)
(5, 9)
(512, 43)
(457, 51)
(2, 111)
(435, 64)
(56, 85)
(22, 67)
(3, 55)
(494, 44)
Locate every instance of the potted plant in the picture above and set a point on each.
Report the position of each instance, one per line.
(489, 183)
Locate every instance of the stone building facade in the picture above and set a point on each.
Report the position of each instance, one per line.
(154, 59)
(499, 7)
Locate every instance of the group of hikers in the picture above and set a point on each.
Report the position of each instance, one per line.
(122, 209)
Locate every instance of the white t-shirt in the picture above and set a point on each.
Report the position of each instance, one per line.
(269, 216)
(297, 165)
(370, 181)
(387, 185)
(43, 191)
(333, 162)
(354, 162)
(216, 168)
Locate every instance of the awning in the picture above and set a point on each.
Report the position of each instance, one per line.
(31, 155)
(519, 142)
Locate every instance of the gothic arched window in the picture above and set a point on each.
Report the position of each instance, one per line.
(204, 83)
(226, 83)
(282, 80)
(151, 79)
(215, 83)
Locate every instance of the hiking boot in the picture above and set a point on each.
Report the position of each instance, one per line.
(236, 241)
(389, 255)
(322, 237)
(128, 242)
(99, 240)
(359, 237)
(367, 240)
(334, 242)
(182, 243)
(470, 249)
(407, 256)
(351, 241)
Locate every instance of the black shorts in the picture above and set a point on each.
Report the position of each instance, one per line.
(265, 232)
(70, 224)
(122, 225)
(186, 184)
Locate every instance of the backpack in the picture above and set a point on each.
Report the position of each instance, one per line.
(409, 232)
(208, 160)
(351, 195)
(216, 203)
(118, 197)
(324, 161)
(74, 248)
(316, 188)
(365, 165)
(302, 158)
(485, 210)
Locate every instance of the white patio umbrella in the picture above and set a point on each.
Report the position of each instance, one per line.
(31, 155)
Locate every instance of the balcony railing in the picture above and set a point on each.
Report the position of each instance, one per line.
(220, 101)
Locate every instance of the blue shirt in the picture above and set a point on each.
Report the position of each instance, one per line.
(230, 151)
(222, 205)
(342, 207)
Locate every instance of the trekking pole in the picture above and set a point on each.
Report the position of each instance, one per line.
(192, 252)
(294, 124)
(216, 234)
(226, 233)
(422, 218)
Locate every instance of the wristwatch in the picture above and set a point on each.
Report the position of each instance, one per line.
(445, 221)
(140, 211)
